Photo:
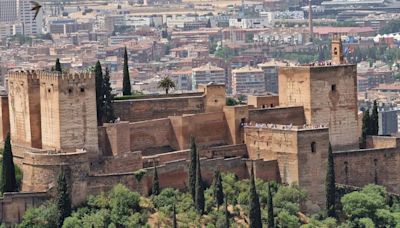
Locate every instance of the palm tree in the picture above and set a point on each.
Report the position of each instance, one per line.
(166, 83)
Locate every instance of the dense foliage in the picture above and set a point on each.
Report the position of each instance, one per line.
(368, 207)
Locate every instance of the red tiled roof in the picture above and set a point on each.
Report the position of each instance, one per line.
(330, 29)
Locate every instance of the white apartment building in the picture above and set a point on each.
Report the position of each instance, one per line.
(26, 15)
(248, 80)
(206, 74)
(8, 10)
(249, 23)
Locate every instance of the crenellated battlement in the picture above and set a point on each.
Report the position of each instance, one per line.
(51, 76)
(62, 77)
(31, 76)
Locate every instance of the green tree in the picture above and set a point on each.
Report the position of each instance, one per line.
(192, 167)
(98, 72)
(254, 203)
(367, 203)
(199, 195)
(227, 225)
(365, 129)
(8, 179)
(374, 119)
(126, 83)
(44, 216)
(108, 99)
(218, 189)
(63, 200)
(166, 84)
(330, 185)
(226, 53)
(58, 66)
(155, 190)
(174, 222)
(270, 205)
(231, 101)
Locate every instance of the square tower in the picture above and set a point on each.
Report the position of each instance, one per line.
(329, 97)
(24, 109)
(68, 111)
(337, 50)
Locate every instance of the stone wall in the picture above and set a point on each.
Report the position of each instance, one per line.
(268, 101)
(362, 167)
(382, 142)
(156, 108)
(42, 169)
(152, 136)
(171, 174)
(4, 118)
(13, 205)
(209, 129)
(120, 163)
(278, 115)
(227, 151)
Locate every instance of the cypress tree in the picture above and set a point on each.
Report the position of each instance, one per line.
(108, 109)
(155, 190)
(58, 66)
(218, 189)
(374, 120)
(330, 185)
(126, 83)
(8, 180)
(174, 222)
(254, 204)
(200, 201)
(63, 200)
(226, 213)
(365, 129)
(98, 71)
(270, 204)
(192, 167)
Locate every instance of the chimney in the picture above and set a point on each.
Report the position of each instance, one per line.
(310, 25)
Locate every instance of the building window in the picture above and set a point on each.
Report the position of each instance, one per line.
(82, 90)
(333, 88)
(313, 147)
(335, 51)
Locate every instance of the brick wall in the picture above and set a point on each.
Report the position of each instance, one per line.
(152, 135)
(13, 205)
(278, 115)
(362, 167)
(382, 142)
(156, 108)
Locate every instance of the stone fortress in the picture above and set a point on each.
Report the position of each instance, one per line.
(52, 120)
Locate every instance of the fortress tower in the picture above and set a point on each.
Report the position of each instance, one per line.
(68, 112)
(328, 94)
(24, 106)
(53, 126)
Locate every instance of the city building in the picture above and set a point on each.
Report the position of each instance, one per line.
(248, 80)
(25, 15)
(8, 10)
(388, 118)
(206, 74)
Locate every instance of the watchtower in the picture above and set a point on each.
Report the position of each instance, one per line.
(337, 50)
(68, 110)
